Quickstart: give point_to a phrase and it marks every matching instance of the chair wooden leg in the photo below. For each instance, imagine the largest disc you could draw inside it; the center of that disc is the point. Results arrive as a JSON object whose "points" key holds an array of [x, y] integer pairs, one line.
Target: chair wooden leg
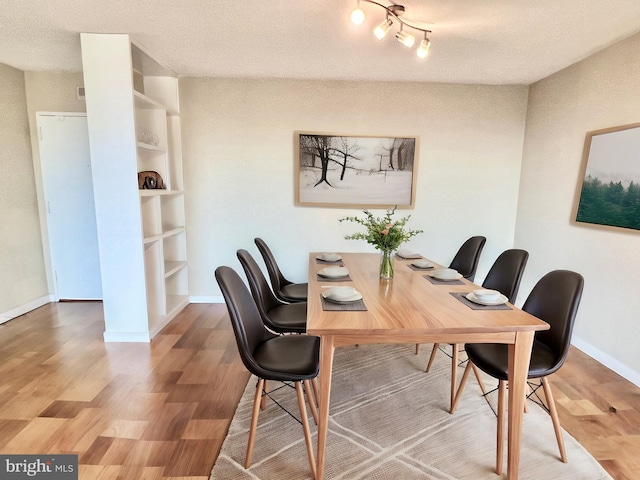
{"points": [[463, 382], [500, 428], [478, 378], [305, 428], [433, 355], [311, 400], [554, 417], [263, 402], [417, 348], [454, 373], [314, 384], [254, 422]]}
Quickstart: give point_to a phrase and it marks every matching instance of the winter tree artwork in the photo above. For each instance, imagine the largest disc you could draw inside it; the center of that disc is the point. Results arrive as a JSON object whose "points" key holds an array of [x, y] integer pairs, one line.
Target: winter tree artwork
{"points": [[610, 191], [355, 171]]}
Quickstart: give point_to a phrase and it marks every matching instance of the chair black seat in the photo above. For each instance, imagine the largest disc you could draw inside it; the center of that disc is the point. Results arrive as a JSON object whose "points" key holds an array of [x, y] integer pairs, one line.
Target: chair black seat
{"points": [[493, 359], [288, 358], [290, 317], [295, 291]]}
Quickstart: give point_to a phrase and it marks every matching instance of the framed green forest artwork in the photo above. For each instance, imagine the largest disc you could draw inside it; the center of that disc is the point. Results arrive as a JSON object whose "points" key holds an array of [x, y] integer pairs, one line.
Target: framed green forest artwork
{"points": [[610, 191]]}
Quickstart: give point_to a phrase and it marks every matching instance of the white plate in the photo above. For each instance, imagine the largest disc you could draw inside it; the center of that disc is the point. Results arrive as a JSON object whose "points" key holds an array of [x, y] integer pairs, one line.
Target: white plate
{"points": [[425, 265], [438, 275], [334, 272], [340, 292], [355, 298], [329, 257], [471, 297]]}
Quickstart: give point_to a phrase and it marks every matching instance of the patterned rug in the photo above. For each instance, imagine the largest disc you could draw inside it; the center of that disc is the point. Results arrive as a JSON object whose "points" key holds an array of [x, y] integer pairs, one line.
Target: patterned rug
{"points": [[389, 420]]}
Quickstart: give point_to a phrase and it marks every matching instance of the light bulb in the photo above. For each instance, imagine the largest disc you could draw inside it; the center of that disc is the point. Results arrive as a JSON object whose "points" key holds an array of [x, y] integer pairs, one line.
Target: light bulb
{"points": [[357, 16], [423, 49], [381, 30], [405, 38]]}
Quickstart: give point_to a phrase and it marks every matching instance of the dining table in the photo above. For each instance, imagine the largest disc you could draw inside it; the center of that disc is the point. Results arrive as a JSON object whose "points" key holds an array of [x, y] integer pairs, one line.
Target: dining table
{"points": [[411, 308]]}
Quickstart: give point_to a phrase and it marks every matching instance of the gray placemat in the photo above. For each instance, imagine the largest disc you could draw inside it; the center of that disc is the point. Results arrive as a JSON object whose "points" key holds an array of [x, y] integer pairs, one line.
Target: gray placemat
{"points": [[435, 281], [338, 279], [418, 269], [475, 306], [347, 307]]}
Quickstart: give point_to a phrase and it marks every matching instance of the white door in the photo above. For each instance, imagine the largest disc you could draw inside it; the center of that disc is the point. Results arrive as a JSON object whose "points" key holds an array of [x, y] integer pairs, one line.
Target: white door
{"points": [[71, 218]]}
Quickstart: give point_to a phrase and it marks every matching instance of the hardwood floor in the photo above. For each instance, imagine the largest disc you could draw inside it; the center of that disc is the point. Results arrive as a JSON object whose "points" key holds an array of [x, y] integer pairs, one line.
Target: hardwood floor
{"points": [[161, 410]]}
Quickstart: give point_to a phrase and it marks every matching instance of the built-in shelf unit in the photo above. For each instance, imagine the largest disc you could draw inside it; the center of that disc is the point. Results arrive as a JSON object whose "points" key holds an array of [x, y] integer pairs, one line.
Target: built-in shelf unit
{"points": [[133, 113]]}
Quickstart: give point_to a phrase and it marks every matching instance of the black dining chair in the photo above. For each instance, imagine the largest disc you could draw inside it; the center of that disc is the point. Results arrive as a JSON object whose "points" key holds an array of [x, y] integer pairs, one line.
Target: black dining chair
{"points": [[284, 290], [279, 316], [282, 358], [555, 300], [465, 261], [504, 276]]}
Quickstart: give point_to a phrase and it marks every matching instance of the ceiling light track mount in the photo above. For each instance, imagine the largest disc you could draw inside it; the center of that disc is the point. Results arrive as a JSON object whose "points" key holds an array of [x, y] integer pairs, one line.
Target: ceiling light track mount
{"points": [[394, 12]]}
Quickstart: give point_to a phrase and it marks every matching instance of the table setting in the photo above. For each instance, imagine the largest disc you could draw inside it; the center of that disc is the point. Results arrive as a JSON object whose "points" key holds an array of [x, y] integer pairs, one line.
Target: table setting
{"points": [[341, 298], [483, 299]]}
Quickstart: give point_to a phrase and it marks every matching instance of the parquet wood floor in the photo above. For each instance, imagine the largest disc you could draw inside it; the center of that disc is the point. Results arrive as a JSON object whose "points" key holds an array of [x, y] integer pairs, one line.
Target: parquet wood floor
{"points": [[160, 411]]}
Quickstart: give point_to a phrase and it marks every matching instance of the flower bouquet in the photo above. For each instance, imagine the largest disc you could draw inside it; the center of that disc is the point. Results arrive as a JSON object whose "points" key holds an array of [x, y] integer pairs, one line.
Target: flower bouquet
{"points": [[384, 234]]}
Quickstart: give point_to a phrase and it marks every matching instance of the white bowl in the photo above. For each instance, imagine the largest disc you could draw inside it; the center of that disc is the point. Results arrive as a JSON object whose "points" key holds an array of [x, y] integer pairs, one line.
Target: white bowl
{"points": [[334, 272], [487, 295], [422, 264], [446, 274], [341, 292], [330, 257]]}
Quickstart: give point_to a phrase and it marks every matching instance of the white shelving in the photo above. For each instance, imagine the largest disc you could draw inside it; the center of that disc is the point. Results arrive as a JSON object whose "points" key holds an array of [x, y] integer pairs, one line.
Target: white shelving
{"points": [[133, 112], [157, 119]]}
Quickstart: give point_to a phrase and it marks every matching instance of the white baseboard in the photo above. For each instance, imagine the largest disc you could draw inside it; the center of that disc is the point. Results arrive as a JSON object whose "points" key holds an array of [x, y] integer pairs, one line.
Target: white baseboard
{"points": [[210, 299], [25, 308], [608, 361]]}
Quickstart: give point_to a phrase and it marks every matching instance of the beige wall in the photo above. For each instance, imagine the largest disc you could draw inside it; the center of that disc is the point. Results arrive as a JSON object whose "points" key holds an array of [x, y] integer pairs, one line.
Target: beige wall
{"points": [[22, 277], [238, 149], [598, 92]]}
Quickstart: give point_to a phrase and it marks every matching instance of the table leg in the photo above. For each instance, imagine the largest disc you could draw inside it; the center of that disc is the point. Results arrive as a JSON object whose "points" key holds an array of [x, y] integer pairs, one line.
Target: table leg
{"points": [[519, 358], [326, 365], [454, 373]]}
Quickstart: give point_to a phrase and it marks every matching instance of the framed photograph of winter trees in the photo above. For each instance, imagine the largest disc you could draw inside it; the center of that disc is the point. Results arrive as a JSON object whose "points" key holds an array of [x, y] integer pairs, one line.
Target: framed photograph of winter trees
{"points": [[335, 170], [609, 194]]}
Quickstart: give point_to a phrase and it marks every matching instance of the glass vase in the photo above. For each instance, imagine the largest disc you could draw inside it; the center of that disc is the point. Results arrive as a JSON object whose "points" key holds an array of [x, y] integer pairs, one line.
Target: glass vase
{"points": [[386, 264]]}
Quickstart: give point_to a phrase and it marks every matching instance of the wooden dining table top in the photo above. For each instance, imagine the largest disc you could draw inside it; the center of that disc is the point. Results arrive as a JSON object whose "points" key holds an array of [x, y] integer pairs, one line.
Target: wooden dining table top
{"points": [[411, 309], [407, 305]]}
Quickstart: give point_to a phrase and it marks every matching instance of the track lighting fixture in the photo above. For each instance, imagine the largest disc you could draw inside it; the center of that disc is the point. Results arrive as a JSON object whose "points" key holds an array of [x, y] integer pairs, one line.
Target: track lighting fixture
{"points": [[395, 12], [405, 38], [357, 16], [423, 49], [381, 30]]}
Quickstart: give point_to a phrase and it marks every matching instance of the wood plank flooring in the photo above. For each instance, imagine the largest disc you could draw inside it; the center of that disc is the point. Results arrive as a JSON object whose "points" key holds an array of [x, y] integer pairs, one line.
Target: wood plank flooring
{"points": [[160, 411]]}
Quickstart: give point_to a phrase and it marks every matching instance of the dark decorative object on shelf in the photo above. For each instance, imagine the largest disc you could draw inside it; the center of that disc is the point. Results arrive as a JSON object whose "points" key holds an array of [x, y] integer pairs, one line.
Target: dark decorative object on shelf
{"points": [[150, 180]]}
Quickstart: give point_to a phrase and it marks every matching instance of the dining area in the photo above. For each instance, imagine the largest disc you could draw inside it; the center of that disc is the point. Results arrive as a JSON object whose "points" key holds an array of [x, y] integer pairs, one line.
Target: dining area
{"points": [[358, 302]]}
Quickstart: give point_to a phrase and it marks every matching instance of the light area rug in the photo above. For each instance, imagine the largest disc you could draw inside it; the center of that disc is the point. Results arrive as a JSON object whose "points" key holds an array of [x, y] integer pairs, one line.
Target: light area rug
{"points": [[389, 420]]}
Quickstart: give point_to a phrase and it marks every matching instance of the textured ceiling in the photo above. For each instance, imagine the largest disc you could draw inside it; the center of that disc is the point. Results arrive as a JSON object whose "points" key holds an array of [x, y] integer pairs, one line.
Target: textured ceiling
{"points": [[487, 42]]}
